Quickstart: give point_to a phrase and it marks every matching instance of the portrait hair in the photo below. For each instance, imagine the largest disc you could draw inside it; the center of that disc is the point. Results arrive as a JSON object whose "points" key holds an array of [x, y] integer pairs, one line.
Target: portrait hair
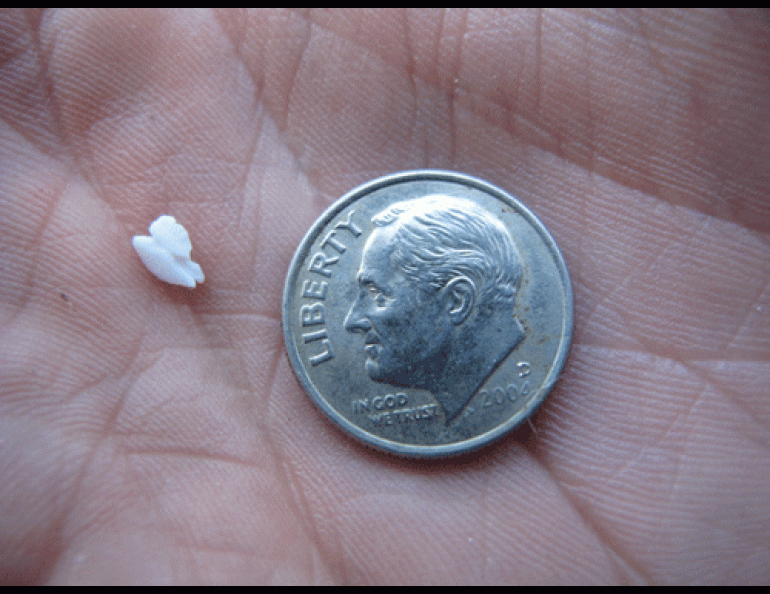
{"points": [[438, 238]]}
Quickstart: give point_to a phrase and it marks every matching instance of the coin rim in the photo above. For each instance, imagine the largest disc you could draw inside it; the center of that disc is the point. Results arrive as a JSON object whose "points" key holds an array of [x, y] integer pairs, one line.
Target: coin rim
{"points": [[441, 450]]}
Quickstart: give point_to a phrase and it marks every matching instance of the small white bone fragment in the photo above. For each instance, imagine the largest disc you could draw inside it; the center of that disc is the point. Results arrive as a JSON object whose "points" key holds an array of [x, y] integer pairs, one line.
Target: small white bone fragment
{"points": [[166, 253]]}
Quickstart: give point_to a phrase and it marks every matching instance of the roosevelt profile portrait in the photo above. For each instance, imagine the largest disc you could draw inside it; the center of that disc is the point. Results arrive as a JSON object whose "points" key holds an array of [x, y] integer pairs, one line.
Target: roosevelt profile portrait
{"points": [[437, 287]]}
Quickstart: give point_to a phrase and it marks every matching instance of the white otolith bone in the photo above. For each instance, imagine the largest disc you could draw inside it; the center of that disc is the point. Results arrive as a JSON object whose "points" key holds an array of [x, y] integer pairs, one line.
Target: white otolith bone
{"points": [[166, 253]]}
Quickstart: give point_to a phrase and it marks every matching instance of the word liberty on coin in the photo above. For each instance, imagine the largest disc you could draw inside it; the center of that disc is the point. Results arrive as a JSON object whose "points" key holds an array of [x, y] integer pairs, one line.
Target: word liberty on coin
{"points": [[427, 313]]}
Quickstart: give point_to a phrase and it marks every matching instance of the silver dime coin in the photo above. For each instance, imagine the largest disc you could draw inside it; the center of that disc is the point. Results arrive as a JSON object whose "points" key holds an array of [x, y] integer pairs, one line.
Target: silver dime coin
{"points": [[427, 313]]}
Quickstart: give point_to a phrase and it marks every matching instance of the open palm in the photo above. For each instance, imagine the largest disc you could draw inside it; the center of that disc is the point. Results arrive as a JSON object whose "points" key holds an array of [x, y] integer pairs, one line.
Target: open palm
{"points": [[155, 434]]}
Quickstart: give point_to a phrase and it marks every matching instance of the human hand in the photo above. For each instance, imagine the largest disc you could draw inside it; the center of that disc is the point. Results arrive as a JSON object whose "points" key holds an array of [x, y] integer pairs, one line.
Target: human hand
{"points": [[152, 434]]}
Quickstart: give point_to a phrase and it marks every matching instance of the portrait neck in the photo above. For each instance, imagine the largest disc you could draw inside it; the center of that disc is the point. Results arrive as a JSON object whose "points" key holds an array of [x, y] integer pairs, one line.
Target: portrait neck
{"points": [[478, 349]]}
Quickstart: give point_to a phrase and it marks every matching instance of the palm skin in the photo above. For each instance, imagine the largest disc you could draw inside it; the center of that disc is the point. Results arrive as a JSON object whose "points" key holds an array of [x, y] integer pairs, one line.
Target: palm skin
{"points": [[151, 434]]}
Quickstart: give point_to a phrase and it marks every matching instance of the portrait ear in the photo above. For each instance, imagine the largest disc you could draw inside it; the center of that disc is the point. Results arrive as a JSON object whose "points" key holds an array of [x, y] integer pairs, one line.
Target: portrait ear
{"points": [[461, 294]]}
